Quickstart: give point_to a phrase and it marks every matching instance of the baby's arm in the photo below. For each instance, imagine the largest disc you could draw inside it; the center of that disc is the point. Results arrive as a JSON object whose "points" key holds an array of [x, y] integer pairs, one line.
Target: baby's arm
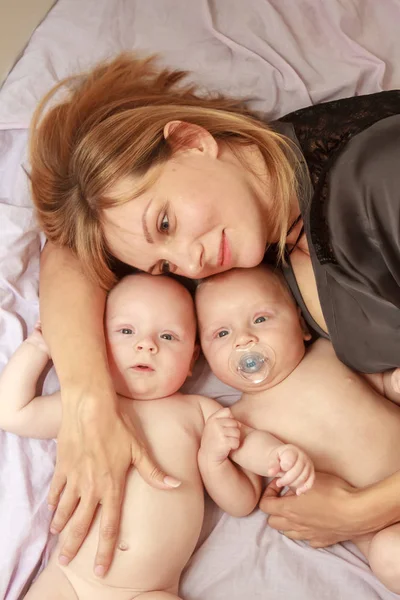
{"points": [[262, 453], [236, 491], [20, 411], [257, 453]]}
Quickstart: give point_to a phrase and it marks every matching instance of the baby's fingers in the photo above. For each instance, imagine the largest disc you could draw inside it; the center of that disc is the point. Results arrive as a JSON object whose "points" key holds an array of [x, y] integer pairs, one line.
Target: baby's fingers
{"points": [[231, 423], [222, 413], [233, 442], [273, 467], [288, 457], [232, 432], [291, 475]]}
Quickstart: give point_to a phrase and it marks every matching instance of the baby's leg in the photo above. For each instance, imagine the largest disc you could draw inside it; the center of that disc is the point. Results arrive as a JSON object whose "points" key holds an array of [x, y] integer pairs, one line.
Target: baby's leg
{"points": [[383, 553], [51, 584]]}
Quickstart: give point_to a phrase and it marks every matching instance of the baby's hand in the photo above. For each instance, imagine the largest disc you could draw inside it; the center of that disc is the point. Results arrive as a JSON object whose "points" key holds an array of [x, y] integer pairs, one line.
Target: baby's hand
{"points": [[36, 339], [293, 467], [395, 381], [221, 435]]}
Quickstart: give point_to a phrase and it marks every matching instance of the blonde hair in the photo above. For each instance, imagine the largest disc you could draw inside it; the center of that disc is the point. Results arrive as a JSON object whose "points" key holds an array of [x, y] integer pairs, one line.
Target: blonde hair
{"points": [[110, 126]]}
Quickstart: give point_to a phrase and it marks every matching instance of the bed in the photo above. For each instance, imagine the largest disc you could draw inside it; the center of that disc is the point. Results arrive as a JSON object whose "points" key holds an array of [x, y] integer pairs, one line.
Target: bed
{"points": [[278, 54]]}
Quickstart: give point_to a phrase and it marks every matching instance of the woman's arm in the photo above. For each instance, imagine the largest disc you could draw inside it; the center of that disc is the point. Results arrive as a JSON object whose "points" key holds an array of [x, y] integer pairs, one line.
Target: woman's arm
{"points": [[333, 511], [96, 445]]}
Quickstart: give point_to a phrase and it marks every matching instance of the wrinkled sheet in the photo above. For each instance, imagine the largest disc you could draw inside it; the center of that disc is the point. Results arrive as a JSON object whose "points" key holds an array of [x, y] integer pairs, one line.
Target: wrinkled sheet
{"points": [[280, 55]]}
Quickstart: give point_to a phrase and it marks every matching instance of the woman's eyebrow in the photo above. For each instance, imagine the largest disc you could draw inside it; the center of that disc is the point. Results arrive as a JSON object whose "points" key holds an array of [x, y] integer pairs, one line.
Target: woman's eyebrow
{"points": [[146, 231]]}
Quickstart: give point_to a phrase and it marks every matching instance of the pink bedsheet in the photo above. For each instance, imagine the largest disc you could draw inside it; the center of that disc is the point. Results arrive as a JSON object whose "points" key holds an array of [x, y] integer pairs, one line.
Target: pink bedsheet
{"points": [[282, 55]]}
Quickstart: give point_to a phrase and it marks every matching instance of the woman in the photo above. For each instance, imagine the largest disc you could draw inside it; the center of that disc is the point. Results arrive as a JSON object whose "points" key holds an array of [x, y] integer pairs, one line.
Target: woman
{"points": [[135, 168]]}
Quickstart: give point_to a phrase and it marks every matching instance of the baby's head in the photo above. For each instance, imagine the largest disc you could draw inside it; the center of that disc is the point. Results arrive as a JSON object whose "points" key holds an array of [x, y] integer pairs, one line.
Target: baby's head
{"points": [[151, 335], [251, 330]]}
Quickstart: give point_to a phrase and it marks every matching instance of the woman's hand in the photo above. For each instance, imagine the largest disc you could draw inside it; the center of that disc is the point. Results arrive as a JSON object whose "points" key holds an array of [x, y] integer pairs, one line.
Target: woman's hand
{"points": [[332, 511], [96, 447]]}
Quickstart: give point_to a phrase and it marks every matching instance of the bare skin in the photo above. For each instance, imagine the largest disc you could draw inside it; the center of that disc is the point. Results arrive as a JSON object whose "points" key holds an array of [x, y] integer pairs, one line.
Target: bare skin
{"points": [[209, 210], [150, 331], [309, 398]]}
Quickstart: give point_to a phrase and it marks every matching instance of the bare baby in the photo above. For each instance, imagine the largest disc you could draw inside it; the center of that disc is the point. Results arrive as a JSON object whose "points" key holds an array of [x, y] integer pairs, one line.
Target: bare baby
{"points": [[252, 335], [151, 341]]}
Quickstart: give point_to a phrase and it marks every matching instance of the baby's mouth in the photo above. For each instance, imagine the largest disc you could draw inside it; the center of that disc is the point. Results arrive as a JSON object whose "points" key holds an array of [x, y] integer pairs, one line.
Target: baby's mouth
{"points": [[142, 368]]}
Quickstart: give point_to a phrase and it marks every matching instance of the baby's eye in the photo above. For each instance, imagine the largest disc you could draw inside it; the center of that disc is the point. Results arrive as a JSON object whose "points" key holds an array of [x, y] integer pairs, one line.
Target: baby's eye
{"points": [[222, 333], [165, 267], [261, 319], [126, 331], [167, 336]]}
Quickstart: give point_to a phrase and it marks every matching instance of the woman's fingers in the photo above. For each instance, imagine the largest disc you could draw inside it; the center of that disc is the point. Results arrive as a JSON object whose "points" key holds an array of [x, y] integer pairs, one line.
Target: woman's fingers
{"points": [[57, 486], [305, 481], [151, 473], [65, 508], [109, 528], [78, 528]]}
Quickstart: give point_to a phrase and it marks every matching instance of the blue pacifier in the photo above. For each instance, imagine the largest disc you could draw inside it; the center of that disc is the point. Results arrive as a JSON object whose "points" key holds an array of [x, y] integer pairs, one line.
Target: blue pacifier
{"points": [[253, 363]]}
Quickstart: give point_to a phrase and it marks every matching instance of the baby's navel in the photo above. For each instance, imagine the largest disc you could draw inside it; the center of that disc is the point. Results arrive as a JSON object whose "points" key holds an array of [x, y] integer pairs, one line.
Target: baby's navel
{"points": [[123, 546]]}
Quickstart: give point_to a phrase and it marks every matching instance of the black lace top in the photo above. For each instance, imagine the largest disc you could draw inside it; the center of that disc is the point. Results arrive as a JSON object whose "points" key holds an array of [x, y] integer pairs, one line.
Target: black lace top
{"points": [[352, 222]]}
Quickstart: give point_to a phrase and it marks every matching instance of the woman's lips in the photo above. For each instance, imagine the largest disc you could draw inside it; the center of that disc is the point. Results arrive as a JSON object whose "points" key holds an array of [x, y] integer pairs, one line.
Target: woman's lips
{"points": [[225, 255]]}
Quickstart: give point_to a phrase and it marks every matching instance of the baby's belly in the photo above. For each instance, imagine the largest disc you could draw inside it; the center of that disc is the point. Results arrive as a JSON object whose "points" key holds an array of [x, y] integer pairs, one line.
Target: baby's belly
{"points": [[159, 531]]}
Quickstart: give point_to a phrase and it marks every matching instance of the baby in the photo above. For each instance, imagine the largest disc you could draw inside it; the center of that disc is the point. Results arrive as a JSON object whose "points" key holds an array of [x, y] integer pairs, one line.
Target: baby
{"points": [[151, 332], [252, 335]]}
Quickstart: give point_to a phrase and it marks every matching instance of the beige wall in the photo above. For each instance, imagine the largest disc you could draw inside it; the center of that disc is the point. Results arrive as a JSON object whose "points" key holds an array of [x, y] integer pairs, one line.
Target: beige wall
{"points": [[18, 20]]}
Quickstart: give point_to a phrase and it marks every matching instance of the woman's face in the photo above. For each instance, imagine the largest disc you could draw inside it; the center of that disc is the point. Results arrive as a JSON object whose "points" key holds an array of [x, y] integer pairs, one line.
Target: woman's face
{"points": [[205, 213]]}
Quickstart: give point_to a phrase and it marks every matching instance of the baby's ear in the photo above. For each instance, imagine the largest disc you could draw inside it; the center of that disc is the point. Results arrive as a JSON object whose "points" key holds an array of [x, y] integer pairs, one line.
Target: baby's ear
{"points": [[306, 333], [196, 354]]}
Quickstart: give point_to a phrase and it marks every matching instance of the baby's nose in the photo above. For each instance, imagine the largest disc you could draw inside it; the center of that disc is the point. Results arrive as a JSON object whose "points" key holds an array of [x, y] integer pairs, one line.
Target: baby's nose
{"points": [[245, 339], [146, 345]]}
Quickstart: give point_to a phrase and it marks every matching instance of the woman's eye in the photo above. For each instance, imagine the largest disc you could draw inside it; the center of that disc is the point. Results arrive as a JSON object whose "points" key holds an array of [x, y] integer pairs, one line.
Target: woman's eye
{"points": [[164, 225], [222, 333], [261, 319], [167, 336], [126, 331]]}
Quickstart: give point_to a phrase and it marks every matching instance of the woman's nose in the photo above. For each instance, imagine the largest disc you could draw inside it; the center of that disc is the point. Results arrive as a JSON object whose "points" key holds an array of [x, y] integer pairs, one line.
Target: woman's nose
{"points": [[245, 339], [146, 345], [191, 260]]}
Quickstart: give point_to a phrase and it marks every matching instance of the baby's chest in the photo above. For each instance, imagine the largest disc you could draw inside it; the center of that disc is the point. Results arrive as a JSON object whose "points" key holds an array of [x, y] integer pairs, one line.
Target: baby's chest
{"points": [[170, 432]]}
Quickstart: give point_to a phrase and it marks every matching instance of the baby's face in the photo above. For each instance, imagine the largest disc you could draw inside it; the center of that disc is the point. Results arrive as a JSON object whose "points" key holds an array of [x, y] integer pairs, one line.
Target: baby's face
{"points": [[243, 308], [150, 331]]}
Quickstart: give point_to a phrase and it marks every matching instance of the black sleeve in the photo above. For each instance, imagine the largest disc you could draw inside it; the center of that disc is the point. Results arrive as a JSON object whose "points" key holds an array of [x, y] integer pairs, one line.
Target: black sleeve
{"points": [[364, 209]]}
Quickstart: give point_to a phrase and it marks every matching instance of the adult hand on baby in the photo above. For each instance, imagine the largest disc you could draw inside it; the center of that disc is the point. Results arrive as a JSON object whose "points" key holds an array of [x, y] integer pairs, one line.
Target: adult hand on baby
{"points": [[221, 435], [324, 516], [96, 447], [292, 466]]}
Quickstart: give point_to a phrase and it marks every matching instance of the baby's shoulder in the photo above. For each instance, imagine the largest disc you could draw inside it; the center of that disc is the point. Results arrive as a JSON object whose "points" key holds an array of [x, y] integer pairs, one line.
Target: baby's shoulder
{"points": [[321, 359], [321, 349]]}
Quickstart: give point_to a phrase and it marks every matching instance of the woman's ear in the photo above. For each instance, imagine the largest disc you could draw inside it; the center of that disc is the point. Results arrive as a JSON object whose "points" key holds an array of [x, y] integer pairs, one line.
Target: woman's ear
{"points": [[196, 354], [183, 136]]}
